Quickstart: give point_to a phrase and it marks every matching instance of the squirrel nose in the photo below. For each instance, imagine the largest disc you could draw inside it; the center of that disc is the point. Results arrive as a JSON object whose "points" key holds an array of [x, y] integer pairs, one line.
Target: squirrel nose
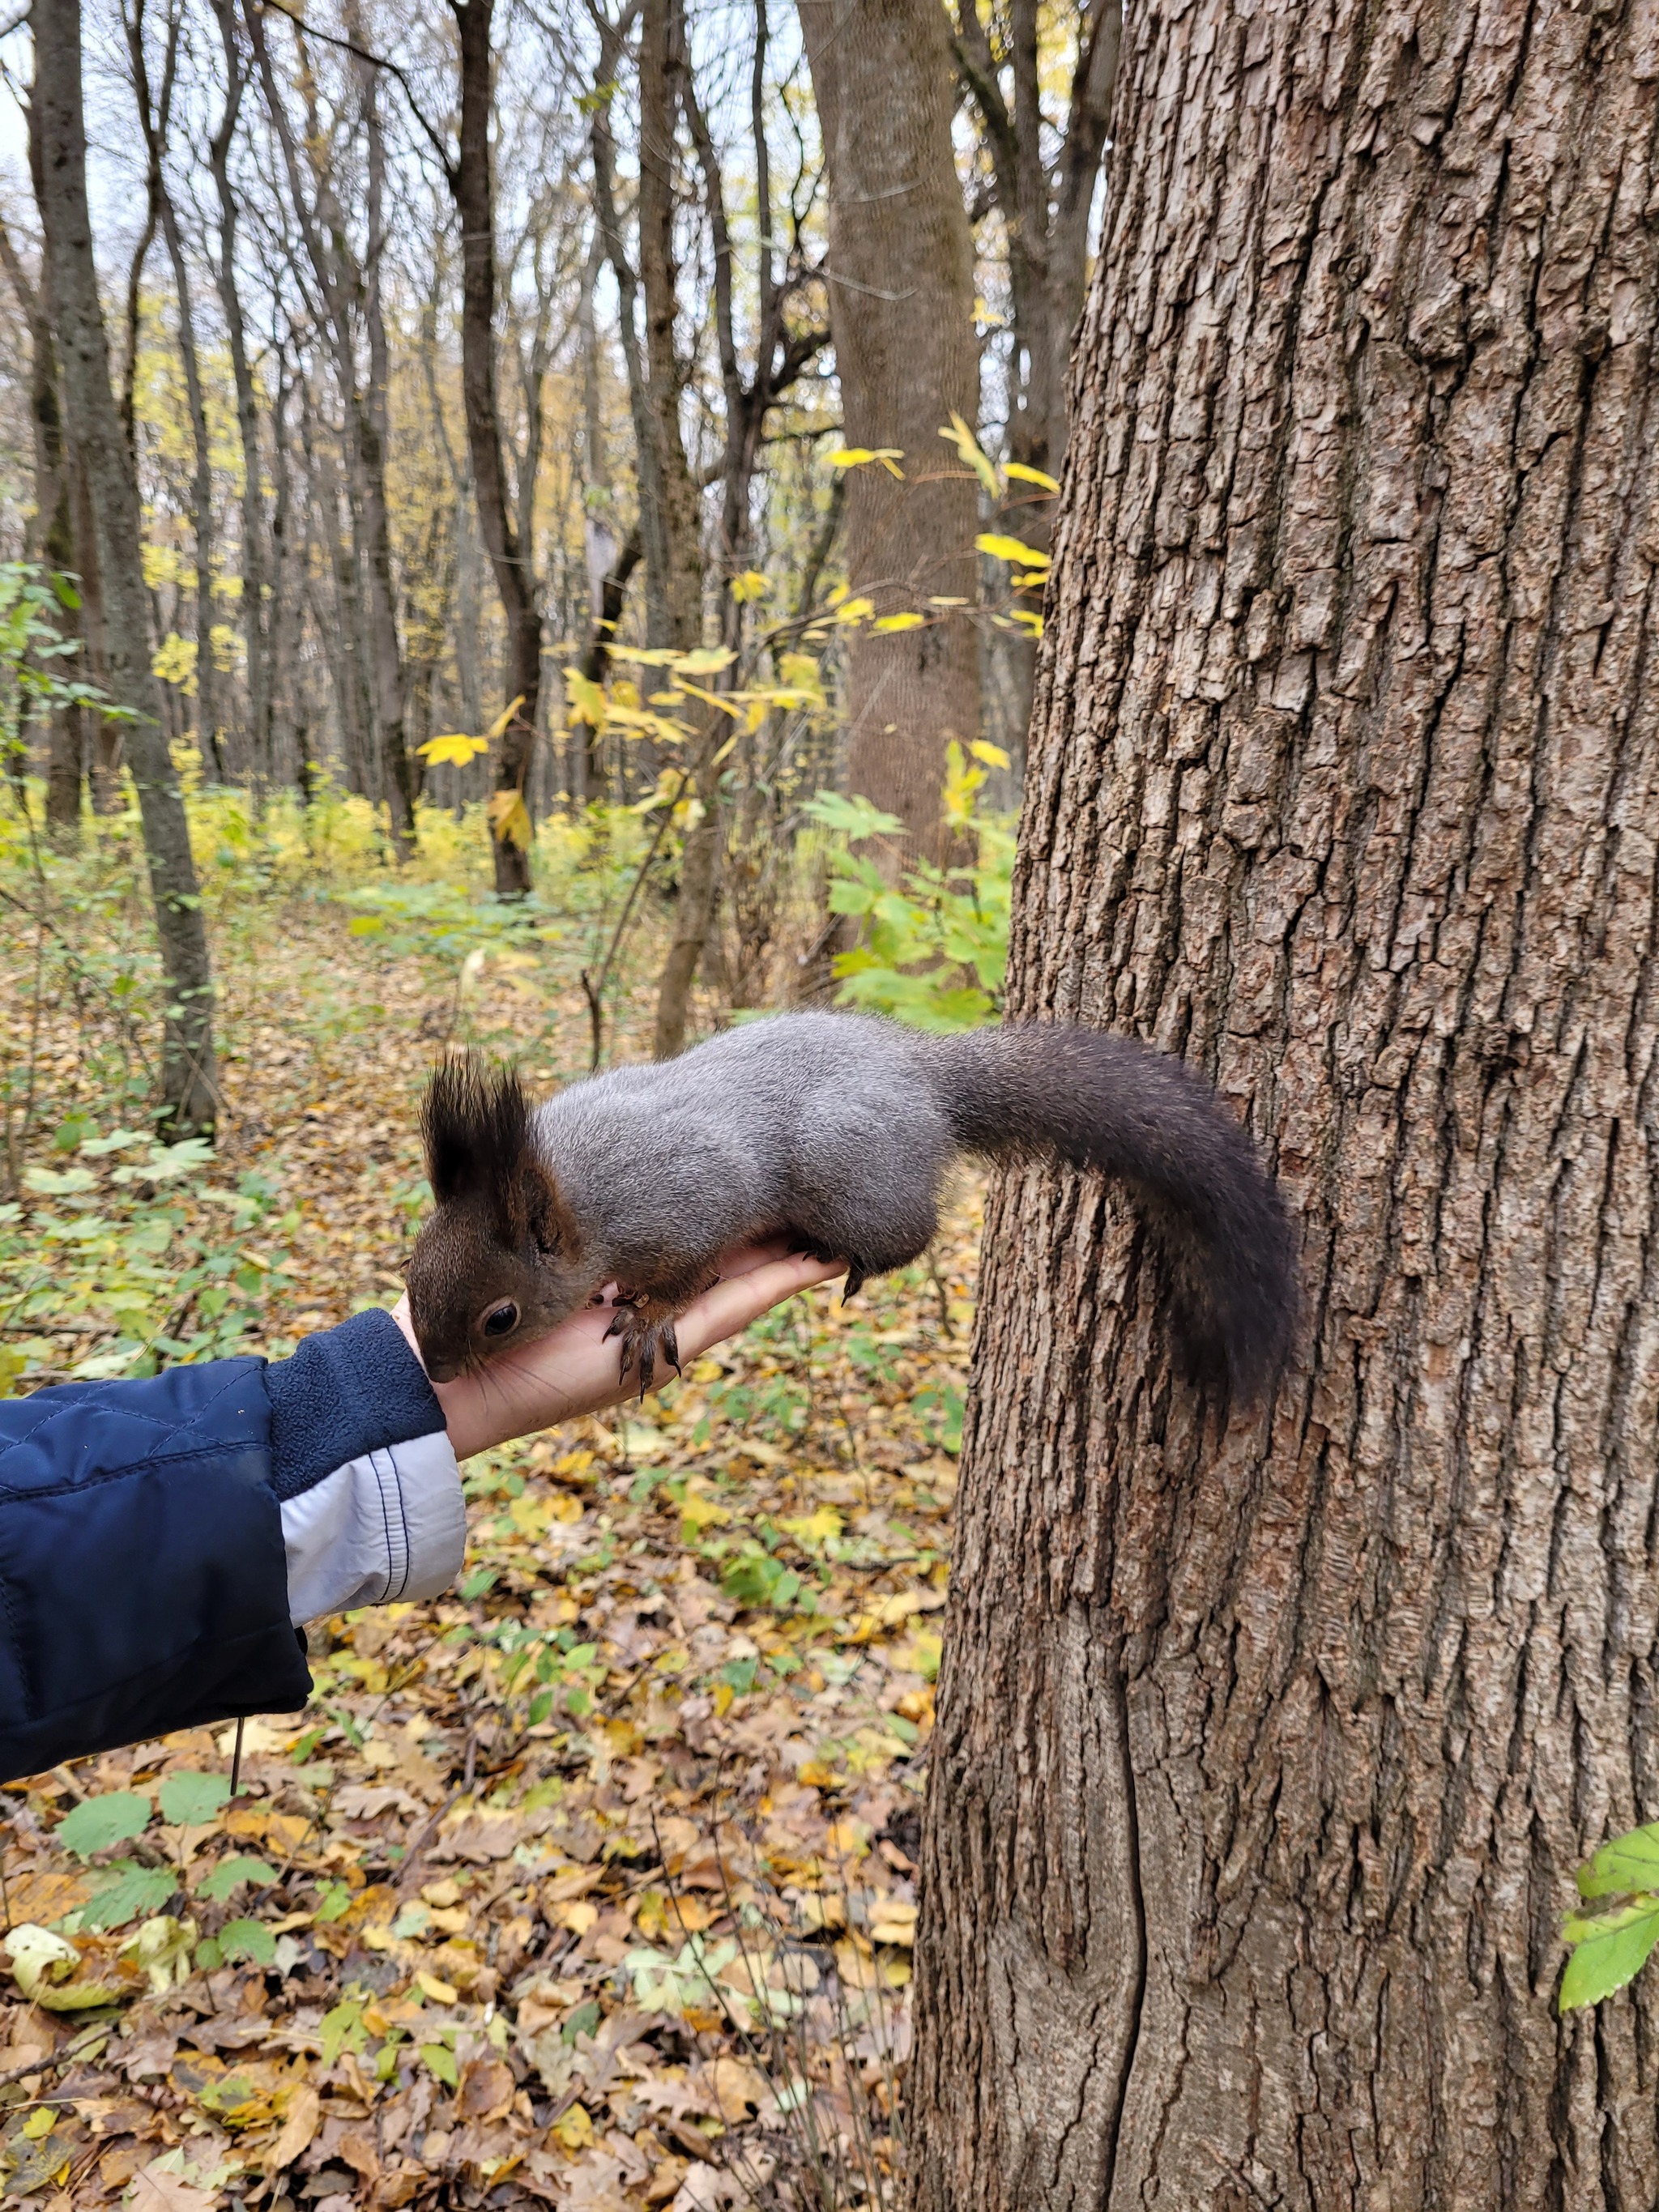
{"points": [[442, 1370]]}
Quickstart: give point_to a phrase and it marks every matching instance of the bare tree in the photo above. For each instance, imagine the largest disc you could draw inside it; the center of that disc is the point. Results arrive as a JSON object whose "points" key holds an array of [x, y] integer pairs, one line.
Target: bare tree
{"points": [[259, 612], [509, 541], [188, 1070], [348, 292]]}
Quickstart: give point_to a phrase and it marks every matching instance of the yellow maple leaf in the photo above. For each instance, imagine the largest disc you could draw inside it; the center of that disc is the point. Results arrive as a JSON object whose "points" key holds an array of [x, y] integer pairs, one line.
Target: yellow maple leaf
{"points": [[454, 745], [509, 819]]}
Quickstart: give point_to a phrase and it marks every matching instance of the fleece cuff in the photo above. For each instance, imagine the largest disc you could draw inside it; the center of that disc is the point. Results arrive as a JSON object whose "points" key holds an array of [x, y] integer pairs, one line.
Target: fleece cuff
{"points": [[347, 1392], [389, 1526]]}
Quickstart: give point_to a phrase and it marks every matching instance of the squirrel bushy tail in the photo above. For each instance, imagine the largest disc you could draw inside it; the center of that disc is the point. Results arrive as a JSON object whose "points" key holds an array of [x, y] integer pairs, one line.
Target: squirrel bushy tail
{"points": [[1051, 1090]]}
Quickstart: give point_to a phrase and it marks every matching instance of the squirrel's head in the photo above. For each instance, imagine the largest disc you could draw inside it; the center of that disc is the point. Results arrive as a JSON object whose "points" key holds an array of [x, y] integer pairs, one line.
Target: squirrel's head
{"points": [[500, 1261]]}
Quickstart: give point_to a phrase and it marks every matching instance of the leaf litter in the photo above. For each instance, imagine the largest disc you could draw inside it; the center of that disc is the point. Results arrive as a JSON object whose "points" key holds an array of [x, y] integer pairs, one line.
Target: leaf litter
{"points": [[591, 1884]]}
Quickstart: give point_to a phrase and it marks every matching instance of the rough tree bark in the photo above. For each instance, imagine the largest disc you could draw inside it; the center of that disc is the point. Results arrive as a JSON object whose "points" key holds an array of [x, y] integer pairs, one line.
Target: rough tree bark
{"points": [[472, 182], [188, 1072], [900, 268], [1264, 1757]]}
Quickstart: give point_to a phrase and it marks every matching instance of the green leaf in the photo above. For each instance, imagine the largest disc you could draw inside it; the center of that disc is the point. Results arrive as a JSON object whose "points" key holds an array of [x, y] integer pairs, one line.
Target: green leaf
{"points": [[1610, 1949], [248, 1939], [440, 2064], [342, 2028], [334, 1904], [230, 1874], [97, 1822], [189, 1800], [1630, 1862], [47, 1184], [136, 1893]]}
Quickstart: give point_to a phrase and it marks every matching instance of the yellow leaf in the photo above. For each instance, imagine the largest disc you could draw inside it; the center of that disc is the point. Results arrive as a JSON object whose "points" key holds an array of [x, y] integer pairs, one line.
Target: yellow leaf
{"points": [[587, 699], [886, 624], [856, 457], [1003, 548], [499, 724], [455, 746], [575, 2130], [967, 444], [430, 1986], [752, 585], [509, 818], [855, 610], [577, 1914], [815, 1528], [993, 756], [706, 660], [1031, 476], [39, 2124], [892, 1922]]}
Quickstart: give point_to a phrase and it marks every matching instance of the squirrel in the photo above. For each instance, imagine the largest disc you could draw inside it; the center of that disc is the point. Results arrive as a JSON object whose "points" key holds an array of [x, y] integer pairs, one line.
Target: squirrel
{"points": [[835, 1130]]}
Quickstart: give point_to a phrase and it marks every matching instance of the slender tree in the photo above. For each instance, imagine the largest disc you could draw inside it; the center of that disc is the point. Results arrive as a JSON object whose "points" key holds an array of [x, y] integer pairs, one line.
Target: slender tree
{"points": [[188, 1070], [471, 181], [259, 612], [153, 123], [1265, 1751]]}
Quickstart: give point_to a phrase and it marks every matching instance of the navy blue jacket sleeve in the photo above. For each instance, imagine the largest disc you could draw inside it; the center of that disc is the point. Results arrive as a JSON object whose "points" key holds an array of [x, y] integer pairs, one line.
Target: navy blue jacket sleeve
{"points": [[143, 1582]]}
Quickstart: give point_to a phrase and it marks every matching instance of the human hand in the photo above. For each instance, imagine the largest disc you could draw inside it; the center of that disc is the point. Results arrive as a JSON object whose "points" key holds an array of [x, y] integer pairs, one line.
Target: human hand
{"points": [[575, 1371]]}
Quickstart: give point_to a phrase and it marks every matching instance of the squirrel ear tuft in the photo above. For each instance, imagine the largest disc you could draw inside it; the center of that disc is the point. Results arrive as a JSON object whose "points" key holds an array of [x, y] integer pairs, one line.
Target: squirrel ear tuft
{"points": [[475, 1124]]}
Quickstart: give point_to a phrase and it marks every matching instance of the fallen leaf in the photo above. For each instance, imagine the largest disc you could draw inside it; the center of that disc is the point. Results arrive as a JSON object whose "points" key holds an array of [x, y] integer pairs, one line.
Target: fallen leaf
{"points": [[298, 2129], [155, 2190]]}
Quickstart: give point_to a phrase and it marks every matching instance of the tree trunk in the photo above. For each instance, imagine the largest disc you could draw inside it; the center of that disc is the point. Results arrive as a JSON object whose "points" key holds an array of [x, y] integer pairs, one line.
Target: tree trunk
{"points": [[901, 271], [49, 536], [259, 611], [473, 186], [678, 623], [189, 1075], [1264, 1757]]}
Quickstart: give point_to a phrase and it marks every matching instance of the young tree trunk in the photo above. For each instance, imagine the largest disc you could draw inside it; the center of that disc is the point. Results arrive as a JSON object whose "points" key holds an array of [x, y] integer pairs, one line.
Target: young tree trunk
{"points": [[259, 612], [678, 621], [1264, 1756], [189, 1075], [473, 186], [902, 309]]}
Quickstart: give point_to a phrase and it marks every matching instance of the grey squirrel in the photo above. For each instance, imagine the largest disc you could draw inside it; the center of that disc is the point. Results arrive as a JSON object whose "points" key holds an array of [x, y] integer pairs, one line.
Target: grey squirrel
{"points": [[835, 1130]]}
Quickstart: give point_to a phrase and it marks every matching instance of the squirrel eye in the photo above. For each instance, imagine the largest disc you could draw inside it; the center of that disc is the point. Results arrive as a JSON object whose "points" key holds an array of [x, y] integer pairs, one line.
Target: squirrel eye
{"points": [[502, 1319]]}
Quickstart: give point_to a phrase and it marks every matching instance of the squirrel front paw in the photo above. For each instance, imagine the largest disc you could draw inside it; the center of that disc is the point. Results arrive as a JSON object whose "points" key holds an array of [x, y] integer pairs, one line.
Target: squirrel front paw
{"points": [[647, 1335]]}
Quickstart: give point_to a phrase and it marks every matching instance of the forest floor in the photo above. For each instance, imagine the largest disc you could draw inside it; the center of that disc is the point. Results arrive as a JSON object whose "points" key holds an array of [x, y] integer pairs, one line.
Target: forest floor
{"points": [[589, 1885]]}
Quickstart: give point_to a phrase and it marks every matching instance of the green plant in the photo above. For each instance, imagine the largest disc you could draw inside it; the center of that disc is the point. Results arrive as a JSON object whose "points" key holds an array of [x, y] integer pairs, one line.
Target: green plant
{"points": [[1610, 1945], [932, 949]]}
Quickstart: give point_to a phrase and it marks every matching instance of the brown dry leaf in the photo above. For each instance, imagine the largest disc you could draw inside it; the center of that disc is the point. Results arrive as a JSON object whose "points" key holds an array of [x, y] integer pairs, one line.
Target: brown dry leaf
{"points": [[154, 2191], [487, 2089], [301, 2124]]}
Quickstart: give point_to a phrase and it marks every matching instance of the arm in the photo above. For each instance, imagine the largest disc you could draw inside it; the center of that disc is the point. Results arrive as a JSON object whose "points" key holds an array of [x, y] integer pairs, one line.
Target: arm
{"points": [[162, 1541]]}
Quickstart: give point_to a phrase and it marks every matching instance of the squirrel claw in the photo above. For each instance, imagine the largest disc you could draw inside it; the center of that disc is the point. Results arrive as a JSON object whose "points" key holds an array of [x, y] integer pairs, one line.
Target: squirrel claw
{"points": [[853, 1284]]}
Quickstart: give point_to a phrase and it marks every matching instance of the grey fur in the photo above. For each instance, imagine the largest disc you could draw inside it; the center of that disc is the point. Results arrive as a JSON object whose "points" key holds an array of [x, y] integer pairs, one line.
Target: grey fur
{"points": [[838, 1129]]}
